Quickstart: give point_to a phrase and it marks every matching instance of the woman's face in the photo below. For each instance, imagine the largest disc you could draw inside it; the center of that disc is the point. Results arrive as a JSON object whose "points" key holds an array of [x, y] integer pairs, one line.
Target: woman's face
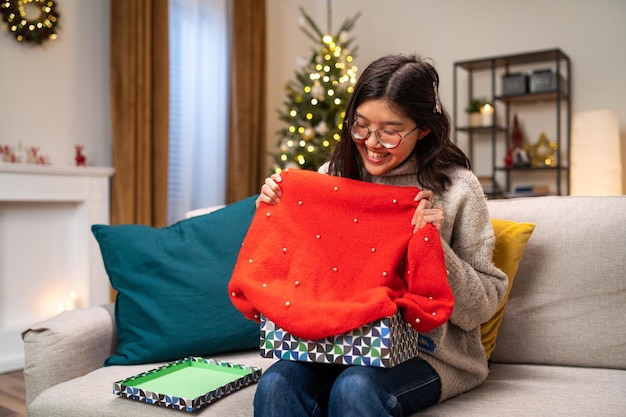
{"points": [[376, 114]]}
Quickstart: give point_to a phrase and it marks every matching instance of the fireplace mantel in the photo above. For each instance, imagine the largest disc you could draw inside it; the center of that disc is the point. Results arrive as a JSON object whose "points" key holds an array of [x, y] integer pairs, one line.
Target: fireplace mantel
{"points": [[46, 245]]}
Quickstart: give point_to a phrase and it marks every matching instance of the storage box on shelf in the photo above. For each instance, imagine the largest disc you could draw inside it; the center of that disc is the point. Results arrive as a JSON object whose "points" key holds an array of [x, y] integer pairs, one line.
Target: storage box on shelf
{"points": [[516, 84]]}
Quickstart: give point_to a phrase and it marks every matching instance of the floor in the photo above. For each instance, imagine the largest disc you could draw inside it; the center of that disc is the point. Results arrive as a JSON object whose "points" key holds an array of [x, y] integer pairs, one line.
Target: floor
{"points": [[12, 395]]}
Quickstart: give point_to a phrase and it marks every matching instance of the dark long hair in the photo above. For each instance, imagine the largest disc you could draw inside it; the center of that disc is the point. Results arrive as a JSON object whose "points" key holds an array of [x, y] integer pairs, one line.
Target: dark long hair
{"points": [[405, 82]]}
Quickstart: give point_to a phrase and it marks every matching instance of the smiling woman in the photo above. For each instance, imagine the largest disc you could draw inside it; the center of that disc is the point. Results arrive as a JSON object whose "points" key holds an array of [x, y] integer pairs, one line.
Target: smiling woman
{"points": [[31, 20]]}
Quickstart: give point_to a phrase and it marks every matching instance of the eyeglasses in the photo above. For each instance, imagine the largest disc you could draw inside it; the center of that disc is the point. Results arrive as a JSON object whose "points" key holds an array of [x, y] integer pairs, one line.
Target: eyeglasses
{"points": [[386, 137]]}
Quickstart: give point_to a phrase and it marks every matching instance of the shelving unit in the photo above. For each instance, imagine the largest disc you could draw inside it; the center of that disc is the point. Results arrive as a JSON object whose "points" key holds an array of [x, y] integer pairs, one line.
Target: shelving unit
{"points": [[483, 78]]}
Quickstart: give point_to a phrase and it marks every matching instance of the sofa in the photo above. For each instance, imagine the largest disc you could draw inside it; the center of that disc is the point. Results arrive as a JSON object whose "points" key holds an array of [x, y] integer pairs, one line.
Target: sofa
{"points": [[560, 348]]}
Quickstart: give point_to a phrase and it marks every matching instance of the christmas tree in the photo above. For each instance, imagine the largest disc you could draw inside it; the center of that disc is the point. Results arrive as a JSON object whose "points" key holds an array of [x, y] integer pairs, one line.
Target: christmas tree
{"points": [[316, 99]]}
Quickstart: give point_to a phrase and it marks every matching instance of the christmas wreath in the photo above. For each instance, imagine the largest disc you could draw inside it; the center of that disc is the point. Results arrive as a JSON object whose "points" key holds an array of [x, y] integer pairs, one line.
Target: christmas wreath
{"points": [[30, 20]]}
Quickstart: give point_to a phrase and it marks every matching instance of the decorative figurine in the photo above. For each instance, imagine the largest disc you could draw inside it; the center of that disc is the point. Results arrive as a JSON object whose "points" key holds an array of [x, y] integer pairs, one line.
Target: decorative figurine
{"points": [[80, 158], [508, 159], [521, 158], [33, 154], [544, 152]]}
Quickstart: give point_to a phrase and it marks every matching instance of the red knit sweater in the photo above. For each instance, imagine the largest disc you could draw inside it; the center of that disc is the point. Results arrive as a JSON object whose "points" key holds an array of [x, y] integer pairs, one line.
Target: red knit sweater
{"points": [[336, 254]]}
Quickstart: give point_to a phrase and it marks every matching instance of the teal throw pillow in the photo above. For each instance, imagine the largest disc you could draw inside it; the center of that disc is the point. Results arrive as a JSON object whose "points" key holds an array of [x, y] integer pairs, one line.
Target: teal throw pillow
{"points": [[172, 299]]}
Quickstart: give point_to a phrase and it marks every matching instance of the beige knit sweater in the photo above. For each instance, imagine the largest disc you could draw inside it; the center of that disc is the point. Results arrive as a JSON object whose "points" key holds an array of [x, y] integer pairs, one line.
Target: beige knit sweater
{"points": [[454, 349]]}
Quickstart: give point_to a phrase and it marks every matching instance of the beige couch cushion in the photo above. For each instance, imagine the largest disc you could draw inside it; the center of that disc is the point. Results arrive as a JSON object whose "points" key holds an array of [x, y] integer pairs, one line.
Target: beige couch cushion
{"points": [[94, 391], [567, 306], [510, 390], [542, 391]]}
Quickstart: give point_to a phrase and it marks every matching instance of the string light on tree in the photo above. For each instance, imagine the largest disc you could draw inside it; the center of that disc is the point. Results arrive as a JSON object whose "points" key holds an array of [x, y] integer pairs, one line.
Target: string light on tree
{"points": [[314, 109]]}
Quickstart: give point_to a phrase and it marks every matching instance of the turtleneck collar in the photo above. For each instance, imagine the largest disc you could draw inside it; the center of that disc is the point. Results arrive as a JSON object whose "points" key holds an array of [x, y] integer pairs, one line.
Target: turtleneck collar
{"points": [[404, 174]]}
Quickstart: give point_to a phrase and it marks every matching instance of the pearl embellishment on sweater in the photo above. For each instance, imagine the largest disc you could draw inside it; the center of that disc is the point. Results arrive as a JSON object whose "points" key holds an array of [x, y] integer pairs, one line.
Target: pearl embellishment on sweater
{"points": [[365, 226]]}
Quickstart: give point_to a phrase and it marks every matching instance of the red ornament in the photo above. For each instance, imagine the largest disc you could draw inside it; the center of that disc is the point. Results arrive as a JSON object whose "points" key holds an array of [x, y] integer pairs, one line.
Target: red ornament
{"points": [[80, 158]]}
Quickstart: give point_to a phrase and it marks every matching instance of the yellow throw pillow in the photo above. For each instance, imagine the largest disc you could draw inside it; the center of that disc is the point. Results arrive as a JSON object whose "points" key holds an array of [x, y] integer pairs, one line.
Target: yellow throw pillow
{"points": [[511, 239]]}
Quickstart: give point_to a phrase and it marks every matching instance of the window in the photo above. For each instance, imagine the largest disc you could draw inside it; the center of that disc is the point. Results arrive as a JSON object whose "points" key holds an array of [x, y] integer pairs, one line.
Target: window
{"points": [[198, 105]]}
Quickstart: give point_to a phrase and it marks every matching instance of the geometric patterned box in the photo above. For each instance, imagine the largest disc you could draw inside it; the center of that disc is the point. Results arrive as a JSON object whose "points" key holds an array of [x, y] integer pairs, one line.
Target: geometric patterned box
{"points": [[187, 384], [384, 343]]}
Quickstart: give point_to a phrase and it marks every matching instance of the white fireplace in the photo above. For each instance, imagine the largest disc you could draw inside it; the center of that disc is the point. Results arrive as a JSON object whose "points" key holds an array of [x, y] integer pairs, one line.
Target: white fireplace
{"points": [[47, 250]]}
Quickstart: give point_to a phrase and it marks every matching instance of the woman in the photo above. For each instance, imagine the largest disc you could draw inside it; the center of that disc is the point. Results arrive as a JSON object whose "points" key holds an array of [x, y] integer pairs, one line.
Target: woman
{"points": [[397, 133]]}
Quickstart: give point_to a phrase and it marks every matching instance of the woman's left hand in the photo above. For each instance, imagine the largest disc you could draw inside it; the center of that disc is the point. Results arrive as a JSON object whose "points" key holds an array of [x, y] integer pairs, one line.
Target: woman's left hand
{"points": [[427, 211]]}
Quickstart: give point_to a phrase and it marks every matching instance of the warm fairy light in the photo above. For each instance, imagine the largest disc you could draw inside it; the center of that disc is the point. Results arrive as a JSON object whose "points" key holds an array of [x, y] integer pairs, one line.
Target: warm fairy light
{"points": [[330, 76]]}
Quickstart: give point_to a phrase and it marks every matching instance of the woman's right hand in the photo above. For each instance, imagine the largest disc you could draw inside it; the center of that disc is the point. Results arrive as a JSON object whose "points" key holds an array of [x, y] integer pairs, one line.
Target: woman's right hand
{"points": [[270, 191]]}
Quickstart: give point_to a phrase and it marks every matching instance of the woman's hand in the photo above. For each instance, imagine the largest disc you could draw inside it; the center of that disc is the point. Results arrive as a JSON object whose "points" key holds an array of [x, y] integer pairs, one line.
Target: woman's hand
{"points": [[270, 191], [427, 211]]}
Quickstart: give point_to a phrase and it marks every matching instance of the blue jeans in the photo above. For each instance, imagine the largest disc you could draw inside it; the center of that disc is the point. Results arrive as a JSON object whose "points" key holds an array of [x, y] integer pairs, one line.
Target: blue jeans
{"points": [[299, 389]]}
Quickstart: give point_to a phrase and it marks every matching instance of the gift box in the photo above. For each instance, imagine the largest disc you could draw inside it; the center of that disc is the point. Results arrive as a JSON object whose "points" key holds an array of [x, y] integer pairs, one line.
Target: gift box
{"points": [[187, 384], [384, 343]]}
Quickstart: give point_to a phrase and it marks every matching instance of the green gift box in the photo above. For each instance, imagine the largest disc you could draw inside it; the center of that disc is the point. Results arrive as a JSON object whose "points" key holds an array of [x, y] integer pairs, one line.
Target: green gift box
{"points": [[385, 343], [187, 384]]}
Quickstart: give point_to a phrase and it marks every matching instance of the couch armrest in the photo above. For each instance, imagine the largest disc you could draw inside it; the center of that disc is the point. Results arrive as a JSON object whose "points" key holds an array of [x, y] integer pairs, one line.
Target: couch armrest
{"points": [[68, 345]]}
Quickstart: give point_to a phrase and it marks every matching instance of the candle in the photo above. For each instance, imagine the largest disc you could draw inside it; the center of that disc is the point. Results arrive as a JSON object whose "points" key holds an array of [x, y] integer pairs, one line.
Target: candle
{"points": [[69, 304], [486, 112], [72, 302]]}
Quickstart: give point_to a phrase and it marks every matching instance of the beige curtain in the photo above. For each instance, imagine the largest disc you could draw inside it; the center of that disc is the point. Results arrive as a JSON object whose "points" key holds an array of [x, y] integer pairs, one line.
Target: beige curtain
{"points": [[139, 111], [246, 142]]}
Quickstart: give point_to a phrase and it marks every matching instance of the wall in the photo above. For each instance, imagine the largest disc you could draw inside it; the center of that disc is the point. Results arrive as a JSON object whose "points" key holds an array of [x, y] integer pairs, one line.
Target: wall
{"points": [[53, 96], [56, 95], [591, 33]]}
